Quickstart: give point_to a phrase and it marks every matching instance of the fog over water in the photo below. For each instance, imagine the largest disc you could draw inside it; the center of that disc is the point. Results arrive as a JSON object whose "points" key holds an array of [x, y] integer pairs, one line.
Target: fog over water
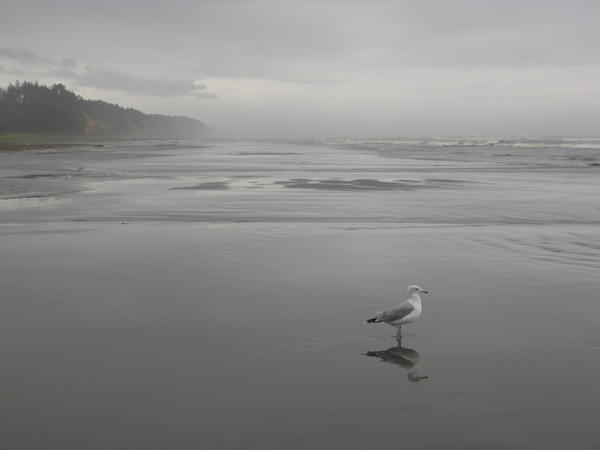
{"points": [[266, 68], [187, 294]]}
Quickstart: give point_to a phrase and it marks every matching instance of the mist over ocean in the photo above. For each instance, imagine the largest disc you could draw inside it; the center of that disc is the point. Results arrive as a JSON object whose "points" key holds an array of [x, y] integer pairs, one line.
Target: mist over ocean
{"points": [[210, 294]]}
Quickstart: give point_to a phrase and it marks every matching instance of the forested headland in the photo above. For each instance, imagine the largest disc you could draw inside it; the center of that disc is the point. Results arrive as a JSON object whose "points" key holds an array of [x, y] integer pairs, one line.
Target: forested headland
{"points": [[31, 108]]}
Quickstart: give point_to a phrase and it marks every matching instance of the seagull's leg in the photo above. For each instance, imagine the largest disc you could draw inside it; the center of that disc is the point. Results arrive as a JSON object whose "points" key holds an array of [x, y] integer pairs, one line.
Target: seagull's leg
{"points": [[399, 334]]}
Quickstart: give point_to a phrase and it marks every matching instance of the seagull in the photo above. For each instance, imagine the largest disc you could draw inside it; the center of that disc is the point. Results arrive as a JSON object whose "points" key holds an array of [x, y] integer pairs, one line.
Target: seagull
{"points": [[407, 312]]}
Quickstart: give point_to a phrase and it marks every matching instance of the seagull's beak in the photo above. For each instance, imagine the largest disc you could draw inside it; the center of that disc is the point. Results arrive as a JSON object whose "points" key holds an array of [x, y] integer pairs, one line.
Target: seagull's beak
{"points": [[424, 291]]}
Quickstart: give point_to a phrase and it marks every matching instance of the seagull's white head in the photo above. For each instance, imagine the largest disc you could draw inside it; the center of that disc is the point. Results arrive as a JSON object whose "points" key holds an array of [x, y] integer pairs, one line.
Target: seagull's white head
{"points": [[414, 289]]}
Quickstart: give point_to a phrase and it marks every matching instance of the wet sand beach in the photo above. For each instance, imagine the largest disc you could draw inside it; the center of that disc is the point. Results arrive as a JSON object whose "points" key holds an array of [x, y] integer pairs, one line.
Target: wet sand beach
{"points": [[212, 295]]}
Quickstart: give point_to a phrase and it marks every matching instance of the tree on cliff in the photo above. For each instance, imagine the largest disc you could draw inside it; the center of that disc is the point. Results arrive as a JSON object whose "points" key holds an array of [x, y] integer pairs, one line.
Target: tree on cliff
{"points": [[32, 108]]}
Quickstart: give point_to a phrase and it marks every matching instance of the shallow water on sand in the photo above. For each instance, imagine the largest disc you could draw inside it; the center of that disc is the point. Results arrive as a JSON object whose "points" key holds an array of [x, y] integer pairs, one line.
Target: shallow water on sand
{"points": [[186, 295]]}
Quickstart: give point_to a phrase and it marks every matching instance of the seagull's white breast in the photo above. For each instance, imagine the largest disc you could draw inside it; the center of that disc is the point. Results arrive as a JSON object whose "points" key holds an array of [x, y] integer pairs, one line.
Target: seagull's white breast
{"points": [[414, 315]]}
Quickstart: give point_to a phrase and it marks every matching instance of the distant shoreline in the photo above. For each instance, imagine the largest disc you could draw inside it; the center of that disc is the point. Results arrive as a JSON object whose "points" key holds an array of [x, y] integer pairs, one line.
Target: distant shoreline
{"points": [[41, 141], [42, 146], [32, 141]]}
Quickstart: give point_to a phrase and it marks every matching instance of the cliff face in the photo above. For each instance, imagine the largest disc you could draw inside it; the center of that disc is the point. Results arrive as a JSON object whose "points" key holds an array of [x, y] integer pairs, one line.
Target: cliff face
{"points": [[31, 108]]}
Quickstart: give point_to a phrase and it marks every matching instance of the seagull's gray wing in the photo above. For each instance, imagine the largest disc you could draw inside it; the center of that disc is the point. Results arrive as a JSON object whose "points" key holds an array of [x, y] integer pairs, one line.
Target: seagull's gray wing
{"points": [[397, 313]]}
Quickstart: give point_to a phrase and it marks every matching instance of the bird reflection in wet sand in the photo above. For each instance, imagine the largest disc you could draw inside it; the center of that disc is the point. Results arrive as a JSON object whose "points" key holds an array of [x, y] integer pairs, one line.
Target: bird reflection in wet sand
{"points": [[405, 357]]}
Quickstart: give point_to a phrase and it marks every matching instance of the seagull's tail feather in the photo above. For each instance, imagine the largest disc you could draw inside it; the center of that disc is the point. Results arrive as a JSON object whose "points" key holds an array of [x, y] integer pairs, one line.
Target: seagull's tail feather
{"points": [[378, 318]]}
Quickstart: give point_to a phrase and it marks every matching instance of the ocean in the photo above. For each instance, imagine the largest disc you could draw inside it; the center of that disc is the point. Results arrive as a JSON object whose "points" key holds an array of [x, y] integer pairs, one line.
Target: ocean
{"points": [[211, 294]]}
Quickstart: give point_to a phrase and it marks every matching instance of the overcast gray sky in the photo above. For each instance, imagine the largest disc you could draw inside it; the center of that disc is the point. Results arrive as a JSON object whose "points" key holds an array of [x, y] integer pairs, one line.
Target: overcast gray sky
{"points": [[327, 68]]}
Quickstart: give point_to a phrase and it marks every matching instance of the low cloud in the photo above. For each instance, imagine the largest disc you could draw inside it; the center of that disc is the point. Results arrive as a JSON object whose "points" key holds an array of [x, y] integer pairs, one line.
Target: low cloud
{"points": [[23, 55], [64, 73], [206, 96], [11, 71], [118, 81], [68, 62], [96, 77]]}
